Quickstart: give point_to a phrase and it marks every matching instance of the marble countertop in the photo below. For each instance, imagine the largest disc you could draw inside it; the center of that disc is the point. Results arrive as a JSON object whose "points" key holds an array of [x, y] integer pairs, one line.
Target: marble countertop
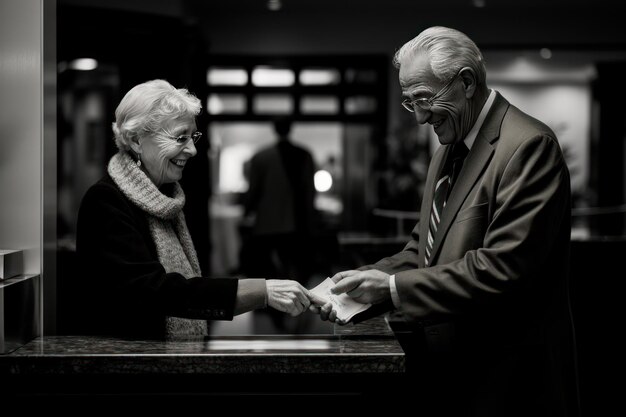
{"points": [[368, 347]]}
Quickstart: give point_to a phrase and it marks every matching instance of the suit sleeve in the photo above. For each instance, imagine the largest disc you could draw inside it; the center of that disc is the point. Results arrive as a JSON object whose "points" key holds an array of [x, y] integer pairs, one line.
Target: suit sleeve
{"points": [[401, 261], [532, 199], [117, 260]]}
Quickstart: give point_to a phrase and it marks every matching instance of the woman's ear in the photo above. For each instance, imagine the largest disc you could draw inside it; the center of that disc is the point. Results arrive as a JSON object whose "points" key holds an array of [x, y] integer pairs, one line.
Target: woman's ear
{"points": [[135, 144], [469, 82]]}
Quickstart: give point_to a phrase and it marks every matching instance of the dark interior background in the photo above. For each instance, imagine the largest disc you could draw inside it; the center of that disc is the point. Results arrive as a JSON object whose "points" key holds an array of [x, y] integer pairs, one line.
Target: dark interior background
{"points": [[135, 41]]}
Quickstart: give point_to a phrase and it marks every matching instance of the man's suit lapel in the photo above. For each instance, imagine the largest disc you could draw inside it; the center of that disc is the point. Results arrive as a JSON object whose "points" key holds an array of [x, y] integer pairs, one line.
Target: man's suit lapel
{"points": [[475, 163]]}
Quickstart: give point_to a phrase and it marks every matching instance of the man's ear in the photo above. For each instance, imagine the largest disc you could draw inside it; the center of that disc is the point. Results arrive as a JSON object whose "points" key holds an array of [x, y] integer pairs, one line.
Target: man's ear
{"points": [[469, 81], [135, 145]]}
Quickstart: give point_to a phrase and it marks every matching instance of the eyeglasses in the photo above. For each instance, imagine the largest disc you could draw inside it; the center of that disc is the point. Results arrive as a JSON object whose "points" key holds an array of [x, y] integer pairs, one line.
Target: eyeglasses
{"points": [[425, 104], [182, 139]]}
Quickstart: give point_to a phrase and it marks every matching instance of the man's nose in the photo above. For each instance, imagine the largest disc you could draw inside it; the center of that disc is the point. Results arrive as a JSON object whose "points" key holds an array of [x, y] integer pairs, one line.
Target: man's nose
{"points": [[422, 116]]}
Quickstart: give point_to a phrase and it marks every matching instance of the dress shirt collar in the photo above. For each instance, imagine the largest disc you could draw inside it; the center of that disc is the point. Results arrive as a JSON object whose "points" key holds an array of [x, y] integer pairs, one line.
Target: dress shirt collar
{"points": [[471, 136]]}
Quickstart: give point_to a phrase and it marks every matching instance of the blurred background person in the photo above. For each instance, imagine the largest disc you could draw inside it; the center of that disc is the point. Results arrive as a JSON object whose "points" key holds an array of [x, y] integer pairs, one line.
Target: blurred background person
{"points": [[279, 211], [279, 206], [144, 275]]}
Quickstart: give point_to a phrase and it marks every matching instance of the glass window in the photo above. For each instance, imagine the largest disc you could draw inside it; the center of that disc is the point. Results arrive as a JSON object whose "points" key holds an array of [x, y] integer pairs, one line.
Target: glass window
{"points": [[361, 76], [226, 104], [273, 104], [263, 76], [319, 105], [360, 104], [227, 76], [319, 76]]}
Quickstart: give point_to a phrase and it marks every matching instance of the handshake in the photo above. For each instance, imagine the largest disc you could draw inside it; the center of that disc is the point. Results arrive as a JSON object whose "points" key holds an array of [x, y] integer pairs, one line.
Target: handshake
{"points": [[336, 299]]}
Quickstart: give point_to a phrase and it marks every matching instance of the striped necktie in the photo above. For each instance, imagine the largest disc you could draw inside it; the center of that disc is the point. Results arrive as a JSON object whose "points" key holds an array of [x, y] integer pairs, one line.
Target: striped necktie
{"points": [[442, 190]]}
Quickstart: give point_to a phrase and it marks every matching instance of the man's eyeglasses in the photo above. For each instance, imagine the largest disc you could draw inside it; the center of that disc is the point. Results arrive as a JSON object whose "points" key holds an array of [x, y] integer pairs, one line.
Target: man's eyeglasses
{"points": [[182, 139], [425, 104]]}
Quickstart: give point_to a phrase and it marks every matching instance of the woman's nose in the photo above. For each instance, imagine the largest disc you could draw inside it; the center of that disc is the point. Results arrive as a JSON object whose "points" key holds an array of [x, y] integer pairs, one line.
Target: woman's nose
{"points": [[190, 148]]}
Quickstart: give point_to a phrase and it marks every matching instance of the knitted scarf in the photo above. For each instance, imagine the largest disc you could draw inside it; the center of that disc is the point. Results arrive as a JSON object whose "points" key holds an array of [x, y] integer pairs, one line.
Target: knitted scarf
{"points": [[167, 228]]}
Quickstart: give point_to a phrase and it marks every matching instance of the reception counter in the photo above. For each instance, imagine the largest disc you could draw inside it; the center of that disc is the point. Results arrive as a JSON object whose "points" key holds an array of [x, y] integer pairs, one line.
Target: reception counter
{"points": [[349, 363]]}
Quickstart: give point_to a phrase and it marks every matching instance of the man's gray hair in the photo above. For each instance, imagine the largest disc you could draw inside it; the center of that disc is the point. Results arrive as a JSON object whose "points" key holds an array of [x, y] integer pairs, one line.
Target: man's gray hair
{"points": [[147, 106], [448, 51]]}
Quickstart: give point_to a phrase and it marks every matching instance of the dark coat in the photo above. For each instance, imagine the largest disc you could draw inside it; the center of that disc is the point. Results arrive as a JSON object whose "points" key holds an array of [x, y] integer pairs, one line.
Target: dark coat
{"points": [[281, 192], [126, 289]]}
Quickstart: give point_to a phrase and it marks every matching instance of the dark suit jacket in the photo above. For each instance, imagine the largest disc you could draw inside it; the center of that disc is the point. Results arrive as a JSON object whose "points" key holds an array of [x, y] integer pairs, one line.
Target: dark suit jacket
{"points": [[497, 284], [126, 289], [281, 191]]}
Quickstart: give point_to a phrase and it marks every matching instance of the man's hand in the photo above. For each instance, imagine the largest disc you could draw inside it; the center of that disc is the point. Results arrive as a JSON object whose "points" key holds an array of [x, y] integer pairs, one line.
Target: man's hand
{"points": [[366, 287]]}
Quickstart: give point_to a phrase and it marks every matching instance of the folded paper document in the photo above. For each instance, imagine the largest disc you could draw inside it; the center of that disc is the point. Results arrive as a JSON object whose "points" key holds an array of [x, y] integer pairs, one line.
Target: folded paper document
{"points": [[345, 306]]}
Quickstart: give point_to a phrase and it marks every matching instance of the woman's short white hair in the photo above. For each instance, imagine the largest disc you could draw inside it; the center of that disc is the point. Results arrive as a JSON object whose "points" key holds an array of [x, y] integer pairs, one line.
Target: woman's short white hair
{"points": [[448, 51], [147, 106]]}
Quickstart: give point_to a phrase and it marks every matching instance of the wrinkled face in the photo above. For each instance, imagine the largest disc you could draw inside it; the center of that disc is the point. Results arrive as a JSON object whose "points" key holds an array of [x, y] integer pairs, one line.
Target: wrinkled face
{"points": [[450, 114], [162, 157]]}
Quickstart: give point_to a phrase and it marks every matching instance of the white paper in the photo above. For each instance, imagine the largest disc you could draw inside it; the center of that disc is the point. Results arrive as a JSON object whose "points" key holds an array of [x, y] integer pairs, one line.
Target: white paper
{"points": [[345, 306]]}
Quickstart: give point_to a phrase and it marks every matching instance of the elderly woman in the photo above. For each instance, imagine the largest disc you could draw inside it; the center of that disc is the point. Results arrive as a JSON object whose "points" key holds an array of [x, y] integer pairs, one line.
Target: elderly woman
{"points": [[144, 277]]}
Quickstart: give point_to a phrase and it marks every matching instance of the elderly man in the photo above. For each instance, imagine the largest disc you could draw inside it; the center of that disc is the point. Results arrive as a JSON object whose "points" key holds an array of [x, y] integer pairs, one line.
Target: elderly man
{"points": [[483, 280]]}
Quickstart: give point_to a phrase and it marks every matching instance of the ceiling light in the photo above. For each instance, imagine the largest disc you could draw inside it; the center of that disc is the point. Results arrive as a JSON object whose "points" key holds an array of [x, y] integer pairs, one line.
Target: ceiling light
{"points": [[274, 5], [545, 53], [323, 181], [83, 64]]}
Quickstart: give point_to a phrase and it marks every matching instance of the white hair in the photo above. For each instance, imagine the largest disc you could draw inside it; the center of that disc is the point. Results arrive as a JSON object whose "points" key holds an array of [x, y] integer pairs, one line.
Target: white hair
{"points": [[147, 106], [448, 51]]}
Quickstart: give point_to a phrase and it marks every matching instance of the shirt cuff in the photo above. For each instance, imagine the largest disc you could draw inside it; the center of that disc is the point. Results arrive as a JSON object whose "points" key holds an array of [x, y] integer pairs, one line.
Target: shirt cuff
{"points": [[252, 293], [395, 298]]}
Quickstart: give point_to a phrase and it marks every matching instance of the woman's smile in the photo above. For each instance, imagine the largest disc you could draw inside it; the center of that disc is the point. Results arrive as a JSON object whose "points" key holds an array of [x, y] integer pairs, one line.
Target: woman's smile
{"points": [[179, 162]]}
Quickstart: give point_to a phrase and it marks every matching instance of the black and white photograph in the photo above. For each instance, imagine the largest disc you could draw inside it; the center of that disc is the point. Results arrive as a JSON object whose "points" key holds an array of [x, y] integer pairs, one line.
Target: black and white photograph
{"points": [[280, 206]]}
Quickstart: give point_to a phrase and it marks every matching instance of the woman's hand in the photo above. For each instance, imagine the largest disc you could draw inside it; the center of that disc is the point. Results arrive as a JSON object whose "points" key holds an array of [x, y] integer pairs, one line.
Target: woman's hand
{"points": [[327, 313], [289, 296]]}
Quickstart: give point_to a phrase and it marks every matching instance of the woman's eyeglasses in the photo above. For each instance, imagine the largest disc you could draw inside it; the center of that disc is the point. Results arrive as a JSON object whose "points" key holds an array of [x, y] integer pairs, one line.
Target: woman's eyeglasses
{"points": [[182, 139]]}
